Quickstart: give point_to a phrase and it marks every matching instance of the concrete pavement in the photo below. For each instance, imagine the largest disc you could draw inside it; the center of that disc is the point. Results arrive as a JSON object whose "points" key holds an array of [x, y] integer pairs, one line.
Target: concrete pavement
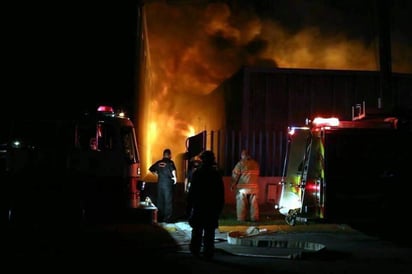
{"points": [[310, 248], [272, 247]]}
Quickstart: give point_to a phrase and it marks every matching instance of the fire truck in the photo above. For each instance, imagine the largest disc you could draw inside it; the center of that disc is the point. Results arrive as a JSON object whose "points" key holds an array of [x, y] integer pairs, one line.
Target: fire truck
{"points": [[346, 171], [85, 168]]}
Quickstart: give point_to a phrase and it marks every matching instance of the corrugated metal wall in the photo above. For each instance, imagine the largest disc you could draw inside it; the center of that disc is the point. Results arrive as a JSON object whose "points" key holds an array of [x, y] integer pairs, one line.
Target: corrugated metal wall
{"points": [[260, 103], [272, 98], [267, 147]]}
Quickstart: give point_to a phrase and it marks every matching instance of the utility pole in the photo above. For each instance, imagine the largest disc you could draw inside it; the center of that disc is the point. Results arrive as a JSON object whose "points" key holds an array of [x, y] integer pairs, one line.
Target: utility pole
{"points": [[385, 57]]}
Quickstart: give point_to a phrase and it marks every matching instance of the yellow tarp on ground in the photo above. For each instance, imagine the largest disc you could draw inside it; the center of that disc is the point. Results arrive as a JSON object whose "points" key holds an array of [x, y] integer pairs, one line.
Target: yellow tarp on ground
{"points": [[288, 228]]}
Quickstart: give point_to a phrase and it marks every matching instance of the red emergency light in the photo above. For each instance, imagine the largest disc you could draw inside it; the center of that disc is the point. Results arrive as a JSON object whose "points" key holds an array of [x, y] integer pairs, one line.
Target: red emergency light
{"points": [[105, 109], [325, 122], [312, 186]]}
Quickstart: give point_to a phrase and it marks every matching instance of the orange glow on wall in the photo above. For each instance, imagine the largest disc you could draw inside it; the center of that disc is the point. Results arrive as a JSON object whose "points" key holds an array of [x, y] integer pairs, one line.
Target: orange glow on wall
{"points": [[191, 49]]}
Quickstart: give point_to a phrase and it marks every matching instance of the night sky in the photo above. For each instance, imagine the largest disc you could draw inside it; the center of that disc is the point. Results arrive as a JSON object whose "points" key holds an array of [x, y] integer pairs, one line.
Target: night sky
{"points": [[75, 55], [68, 56]]}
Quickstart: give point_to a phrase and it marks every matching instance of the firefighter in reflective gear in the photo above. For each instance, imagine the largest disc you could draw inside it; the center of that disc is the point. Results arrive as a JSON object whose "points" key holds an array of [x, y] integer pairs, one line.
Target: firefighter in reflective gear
{"points": [[245, 181]]}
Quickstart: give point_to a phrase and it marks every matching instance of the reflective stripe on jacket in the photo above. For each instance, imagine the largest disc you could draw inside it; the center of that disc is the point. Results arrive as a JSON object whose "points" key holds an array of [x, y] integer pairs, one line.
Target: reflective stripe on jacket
{"points": [[245, 174]]}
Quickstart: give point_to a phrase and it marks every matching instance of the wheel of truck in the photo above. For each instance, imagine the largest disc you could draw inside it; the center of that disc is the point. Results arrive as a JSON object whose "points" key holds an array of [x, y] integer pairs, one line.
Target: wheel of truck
{"points": [[290, 219]]}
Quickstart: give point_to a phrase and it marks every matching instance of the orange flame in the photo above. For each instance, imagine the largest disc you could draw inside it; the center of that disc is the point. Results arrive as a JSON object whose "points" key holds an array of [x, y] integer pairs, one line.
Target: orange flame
{"points": [[191, 49]]}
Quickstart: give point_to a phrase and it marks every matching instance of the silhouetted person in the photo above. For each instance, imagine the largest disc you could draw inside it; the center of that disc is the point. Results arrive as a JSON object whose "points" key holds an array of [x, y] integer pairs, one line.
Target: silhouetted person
{"points": [[194, 163], [205, 202]]}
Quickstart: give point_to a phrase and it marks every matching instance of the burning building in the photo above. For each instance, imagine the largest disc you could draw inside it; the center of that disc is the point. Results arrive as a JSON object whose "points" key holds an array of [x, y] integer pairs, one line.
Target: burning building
{"points": [[219, 65]]}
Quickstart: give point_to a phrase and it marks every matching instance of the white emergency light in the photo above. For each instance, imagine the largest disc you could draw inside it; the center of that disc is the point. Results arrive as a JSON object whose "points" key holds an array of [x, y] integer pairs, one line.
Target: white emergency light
{"points": [[292, 130], [325, 122]]}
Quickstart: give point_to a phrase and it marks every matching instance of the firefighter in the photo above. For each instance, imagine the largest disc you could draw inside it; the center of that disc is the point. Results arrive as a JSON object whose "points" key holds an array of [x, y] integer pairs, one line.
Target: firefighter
{"points": [[194, 163], [165, 169], [205, 202], [245, 177]]}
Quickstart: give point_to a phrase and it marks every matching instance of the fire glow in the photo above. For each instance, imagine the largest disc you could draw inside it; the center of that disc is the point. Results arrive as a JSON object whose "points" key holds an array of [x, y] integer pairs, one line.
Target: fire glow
{"points": [[191, 49]]}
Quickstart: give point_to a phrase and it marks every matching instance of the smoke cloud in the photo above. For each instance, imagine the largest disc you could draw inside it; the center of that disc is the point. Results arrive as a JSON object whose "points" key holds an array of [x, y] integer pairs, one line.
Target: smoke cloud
{"points": [[194, 48]]}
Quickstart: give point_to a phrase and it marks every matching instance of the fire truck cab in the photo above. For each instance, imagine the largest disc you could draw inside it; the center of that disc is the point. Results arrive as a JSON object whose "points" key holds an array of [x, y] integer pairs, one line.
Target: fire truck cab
{"points": [[106, 158], [343, 170], [85, 168]]}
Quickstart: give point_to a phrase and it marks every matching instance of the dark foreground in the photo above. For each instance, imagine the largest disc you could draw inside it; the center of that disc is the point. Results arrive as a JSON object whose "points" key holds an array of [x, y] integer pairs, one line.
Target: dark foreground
{"points": [[159, 247]]}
